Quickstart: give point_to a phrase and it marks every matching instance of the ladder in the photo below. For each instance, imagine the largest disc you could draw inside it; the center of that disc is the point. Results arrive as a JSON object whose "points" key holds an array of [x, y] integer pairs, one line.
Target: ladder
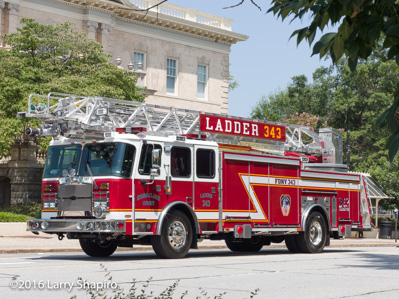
{"points": [[90, 117]]}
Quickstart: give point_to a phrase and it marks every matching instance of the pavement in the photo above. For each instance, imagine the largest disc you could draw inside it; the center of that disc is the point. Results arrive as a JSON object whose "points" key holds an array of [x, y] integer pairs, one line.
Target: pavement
{"points": [[49, 243]]}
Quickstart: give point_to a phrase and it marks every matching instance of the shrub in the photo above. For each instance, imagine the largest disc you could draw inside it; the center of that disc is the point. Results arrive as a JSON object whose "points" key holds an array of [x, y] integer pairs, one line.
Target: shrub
{"points": [[11, 217], [33, 209]]}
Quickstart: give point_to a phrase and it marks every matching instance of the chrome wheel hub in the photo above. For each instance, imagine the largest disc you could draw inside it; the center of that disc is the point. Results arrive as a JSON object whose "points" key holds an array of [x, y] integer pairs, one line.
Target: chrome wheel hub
{"points": [[315, 233], [177, 234]]}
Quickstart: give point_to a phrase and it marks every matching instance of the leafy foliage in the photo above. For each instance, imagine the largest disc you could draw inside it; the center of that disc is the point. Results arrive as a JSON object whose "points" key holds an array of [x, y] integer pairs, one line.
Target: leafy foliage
{"points": [[305, 119], [233, 84], [53, 58], [33, 209], [11, 217], [361, 24], [350, 101]]}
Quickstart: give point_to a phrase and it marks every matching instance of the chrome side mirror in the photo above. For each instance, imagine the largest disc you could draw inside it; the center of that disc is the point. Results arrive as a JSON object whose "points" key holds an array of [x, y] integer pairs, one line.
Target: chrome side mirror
{"points": [[155, 163]]}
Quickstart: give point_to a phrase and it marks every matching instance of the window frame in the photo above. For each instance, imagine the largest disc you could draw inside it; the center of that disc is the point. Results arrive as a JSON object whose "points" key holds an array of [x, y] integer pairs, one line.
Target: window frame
{"points": [[175, 76], [154, 145], [144, 60], [202, 82], [212, 161], [173, 167]]}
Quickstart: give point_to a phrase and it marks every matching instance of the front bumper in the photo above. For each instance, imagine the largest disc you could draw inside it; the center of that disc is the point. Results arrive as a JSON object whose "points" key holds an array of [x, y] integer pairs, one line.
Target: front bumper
{"points": [[76, 225]]}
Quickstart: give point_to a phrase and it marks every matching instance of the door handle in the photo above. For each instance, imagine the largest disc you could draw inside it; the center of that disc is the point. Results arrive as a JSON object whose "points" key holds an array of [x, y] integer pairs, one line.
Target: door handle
{"points": [[189, 200]]}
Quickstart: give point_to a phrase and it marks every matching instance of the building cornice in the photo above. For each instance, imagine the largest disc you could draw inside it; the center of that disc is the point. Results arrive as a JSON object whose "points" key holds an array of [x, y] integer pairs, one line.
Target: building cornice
{"points": [[157, 20]]}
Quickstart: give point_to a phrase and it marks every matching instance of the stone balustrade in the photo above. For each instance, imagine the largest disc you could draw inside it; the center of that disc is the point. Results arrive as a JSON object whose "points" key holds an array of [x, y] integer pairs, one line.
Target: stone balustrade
{"points": [[184, 13]]}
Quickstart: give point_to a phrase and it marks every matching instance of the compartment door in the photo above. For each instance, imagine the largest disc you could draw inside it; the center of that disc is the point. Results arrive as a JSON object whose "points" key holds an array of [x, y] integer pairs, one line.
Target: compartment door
{"points": [[284, 195]]}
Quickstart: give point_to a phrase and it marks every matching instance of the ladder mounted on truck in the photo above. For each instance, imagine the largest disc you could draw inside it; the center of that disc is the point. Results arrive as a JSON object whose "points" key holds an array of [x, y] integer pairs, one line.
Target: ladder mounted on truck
{"points": [[90, 117]]}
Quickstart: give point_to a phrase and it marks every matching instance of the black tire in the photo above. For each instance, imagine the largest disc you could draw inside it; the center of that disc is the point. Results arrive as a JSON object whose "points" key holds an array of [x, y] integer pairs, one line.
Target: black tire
{"points": [[252, 245], [277, 239], [290, 242], [95, 249], [232, 245], [266, 241], [314, 238], [176, 236]]}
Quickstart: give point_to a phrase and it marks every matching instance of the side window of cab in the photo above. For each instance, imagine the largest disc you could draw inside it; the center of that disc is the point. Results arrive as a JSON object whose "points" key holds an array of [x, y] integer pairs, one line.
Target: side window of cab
{"points": [[181, 161], [145, 157]]}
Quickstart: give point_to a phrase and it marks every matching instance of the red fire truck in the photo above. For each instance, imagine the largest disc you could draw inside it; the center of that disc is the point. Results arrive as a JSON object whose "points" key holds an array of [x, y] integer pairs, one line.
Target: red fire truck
{"points": [[120, 173]]}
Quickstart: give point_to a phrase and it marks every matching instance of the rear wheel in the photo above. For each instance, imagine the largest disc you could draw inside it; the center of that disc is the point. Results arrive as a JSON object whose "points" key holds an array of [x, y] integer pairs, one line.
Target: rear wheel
{"points": [[95, 249], [314, 238], [276, 239], [176, 236], [290, 242], [249, 245], [252, 245], [232, 245]]}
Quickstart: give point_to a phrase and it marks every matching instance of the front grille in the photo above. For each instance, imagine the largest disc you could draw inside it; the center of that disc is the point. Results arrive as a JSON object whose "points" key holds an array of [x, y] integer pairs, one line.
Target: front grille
{"points": [[74, 199], [75, 191]]}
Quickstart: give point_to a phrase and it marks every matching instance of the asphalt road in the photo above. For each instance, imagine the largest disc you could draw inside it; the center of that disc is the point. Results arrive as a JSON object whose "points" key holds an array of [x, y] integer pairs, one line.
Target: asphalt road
{"points": [[337, 273]]}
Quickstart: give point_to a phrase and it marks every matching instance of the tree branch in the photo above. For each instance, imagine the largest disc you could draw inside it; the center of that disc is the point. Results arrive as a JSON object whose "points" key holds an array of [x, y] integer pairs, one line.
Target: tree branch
{"points": [[241, 2], [146, 9], [238, 4]]}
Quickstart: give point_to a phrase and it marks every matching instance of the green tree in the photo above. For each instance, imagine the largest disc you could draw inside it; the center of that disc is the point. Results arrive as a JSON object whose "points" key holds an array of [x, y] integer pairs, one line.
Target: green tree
{"points": [[233, 84], [46, 58], [272, 108], [349, 101], [361, 24]]}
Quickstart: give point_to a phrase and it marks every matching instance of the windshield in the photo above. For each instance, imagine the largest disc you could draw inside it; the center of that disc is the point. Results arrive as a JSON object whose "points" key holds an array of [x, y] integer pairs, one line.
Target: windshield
{"points": [[107, 159], [61, 157]]}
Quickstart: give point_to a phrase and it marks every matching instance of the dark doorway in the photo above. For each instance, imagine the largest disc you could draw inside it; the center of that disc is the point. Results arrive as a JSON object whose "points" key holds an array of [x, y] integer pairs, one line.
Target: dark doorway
{"points": [[5, 191]]}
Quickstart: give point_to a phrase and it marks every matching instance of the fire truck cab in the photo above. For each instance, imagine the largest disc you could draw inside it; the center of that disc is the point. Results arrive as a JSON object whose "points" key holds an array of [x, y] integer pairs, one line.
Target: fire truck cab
{"points": [[120, 173]]}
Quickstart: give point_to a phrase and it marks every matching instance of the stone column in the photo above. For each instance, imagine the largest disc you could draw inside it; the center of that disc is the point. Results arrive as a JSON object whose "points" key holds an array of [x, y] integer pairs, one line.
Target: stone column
{"points": [[91, 28], [105, 37], [13, 12], [25, 173], [2, 6]]}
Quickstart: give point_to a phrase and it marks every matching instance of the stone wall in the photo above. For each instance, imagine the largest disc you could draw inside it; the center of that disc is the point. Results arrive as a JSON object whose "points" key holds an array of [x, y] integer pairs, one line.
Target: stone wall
{"points": [[20, 176]]}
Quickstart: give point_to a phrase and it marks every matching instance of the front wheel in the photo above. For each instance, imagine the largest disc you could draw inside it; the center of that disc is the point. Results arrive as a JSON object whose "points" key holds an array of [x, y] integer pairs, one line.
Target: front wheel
{"points": [[95, 249], [314, 238], [176, 236]]}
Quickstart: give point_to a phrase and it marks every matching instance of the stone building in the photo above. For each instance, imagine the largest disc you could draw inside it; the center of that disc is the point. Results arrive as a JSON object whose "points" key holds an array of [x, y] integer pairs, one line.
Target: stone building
{"points": [[184, 52], [182, 55]]}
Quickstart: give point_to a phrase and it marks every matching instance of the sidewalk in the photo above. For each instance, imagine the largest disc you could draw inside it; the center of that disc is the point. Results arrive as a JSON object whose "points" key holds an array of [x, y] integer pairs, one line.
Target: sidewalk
{"points": [[50, 243]]}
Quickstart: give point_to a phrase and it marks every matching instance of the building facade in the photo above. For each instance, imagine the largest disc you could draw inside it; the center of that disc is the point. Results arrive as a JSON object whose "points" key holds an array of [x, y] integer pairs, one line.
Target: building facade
{"points": [[184, 53], [182, 56]]}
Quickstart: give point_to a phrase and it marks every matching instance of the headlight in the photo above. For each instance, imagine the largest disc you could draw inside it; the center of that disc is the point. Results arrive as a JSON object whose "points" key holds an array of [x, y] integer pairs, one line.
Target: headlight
{"points": [[80, 226], [90, 226], [44, 225], [98, 211]]}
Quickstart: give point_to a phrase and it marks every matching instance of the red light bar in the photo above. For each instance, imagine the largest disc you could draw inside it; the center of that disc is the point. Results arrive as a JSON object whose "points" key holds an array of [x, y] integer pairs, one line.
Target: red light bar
{"points": [[195, 136], [133, 130]]}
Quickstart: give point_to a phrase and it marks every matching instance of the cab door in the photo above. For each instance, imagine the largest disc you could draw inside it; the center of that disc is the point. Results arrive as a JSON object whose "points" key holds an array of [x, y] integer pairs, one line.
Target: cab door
{"points": [[149, 191], [180, 171], [206, 187]]}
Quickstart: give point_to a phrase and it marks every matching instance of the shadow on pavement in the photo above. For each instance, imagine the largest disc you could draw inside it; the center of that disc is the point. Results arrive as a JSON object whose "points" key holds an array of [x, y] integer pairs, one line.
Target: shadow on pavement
{"points": [[150, 255]]}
